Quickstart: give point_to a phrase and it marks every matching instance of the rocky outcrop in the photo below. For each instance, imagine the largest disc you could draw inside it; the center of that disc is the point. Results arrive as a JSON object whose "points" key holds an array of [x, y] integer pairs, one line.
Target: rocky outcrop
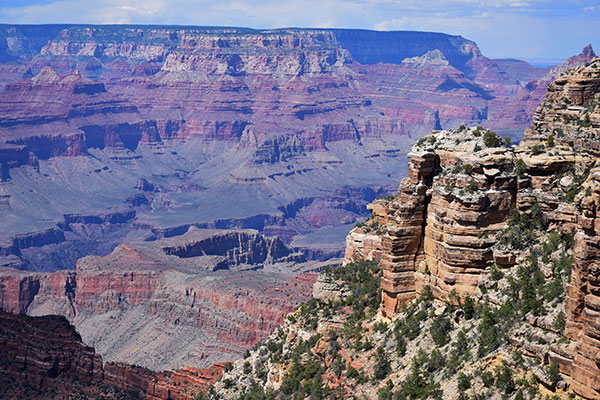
{"points": [[37, 350], [583, 299], [570, 111], [572, 115], [44, 357], [328, 289], [208, 295], [436, 230], [234, 248], [440, 229], [53, 293], [520, 106], [183, 384]]}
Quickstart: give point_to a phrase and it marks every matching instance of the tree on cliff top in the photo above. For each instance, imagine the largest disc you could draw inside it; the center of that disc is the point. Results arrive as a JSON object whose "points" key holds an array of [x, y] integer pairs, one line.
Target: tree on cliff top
{"points": [[491, 139]]}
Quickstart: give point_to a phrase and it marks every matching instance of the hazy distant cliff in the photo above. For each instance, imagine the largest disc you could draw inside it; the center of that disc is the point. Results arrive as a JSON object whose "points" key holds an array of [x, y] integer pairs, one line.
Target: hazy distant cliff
{"points": [[293, 130]]}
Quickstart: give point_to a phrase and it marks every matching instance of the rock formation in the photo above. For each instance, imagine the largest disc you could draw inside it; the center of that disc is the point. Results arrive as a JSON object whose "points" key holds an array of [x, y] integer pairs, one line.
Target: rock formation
{"points": [[189, 300], [263, 121], [435, 230], [442, 228], [44, 358]]}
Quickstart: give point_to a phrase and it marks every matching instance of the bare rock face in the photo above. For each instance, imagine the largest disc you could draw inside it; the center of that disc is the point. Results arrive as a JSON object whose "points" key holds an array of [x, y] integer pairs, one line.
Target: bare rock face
{"points": [[434, 231], [439, 230], [583, 299], [289, 131], [44, 358], [570, 110], [195, 299], [361, 245], [569, 116], [328, 290], [41, 349]]}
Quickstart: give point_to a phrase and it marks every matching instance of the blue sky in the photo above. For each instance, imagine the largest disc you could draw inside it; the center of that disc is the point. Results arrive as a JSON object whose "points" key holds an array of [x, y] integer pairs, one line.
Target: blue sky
{"points": [[501, 28]]}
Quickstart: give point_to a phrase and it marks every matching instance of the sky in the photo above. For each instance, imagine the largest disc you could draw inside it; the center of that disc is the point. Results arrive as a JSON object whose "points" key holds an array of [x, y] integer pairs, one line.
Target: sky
{"points": [[550, 29]]}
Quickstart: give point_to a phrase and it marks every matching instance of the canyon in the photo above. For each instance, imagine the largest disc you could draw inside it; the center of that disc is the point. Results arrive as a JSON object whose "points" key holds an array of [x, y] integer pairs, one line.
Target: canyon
{"points": [[172, 191], [477, 279], [118, 134], [192, 300]]}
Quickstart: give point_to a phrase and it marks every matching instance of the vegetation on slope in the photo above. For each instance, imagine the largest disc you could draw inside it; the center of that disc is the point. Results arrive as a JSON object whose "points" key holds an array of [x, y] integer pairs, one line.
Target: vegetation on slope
{"points": [[467, 348]]}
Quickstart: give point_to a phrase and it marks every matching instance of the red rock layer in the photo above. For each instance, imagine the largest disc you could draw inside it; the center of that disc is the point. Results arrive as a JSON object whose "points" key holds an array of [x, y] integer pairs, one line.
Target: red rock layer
{"points": [[184, 290], [583, 301], [41, 357]]}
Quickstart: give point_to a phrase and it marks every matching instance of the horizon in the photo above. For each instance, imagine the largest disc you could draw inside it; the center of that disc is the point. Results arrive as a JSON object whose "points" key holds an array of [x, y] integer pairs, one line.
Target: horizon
{"points": [[535, 61], [533, 29]]}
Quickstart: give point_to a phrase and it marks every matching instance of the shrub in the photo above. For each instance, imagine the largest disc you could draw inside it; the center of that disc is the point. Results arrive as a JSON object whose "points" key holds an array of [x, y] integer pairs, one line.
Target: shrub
{"points": [[436, 361], [520, 168], [468, 307], [351, 372], [228, 367], [385, 393], [464, 381], [380, 327], [472, 186], [227, 383], [504, 379], [338, 366], [537, 149], [382, 364], [439, 330], [489, 338], [507, 141], [491, 139], [559, 321], [247, 368], [477, 148], [553, 372], [550, 141], [495, 273], [487, 378]]}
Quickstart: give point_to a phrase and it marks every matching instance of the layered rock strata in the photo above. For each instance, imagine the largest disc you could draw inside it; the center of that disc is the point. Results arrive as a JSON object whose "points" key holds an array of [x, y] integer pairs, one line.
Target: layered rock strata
{"points": [[195, 299], [438, 227], [43, 357], [307, 123], [439, 230]]}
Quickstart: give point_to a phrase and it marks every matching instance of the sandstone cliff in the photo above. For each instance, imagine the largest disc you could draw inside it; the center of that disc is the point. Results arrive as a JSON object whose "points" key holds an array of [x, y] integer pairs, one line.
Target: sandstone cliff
{"points": [[453, 222]]}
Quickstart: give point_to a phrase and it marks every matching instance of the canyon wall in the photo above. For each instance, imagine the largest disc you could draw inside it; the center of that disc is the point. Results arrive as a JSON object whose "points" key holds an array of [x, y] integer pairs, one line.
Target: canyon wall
{"points": [[190, 300], [289, 131], [442, 229], [44, 358]]}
